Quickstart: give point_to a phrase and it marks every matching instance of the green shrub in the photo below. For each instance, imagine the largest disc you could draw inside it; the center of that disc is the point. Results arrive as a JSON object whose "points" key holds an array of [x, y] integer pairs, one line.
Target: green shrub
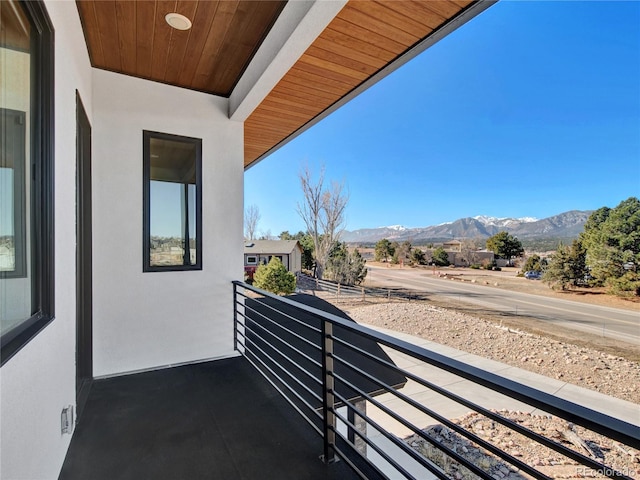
{"points": [[274, 277], [439, 257], [627, 285]]}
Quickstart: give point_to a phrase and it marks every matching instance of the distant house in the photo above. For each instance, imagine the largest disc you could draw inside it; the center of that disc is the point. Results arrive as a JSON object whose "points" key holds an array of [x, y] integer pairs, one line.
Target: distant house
{"points": [[258, 252], [452, 246], [459, 258]]}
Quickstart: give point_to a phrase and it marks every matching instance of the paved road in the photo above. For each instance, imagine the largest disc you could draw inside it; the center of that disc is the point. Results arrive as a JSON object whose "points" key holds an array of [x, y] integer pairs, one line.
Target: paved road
{"points": [[610, 322]]}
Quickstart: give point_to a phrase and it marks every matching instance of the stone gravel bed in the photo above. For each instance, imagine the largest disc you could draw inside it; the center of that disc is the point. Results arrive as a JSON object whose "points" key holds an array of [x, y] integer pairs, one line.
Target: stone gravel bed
{"points": [[588, 368]]}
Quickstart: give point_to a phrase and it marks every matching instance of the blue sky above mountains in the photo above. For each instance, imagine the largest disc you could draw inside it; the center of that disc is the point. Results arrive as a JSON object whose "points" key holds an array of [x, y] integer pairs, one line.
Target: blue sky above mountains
{"points": [[529, 110]]}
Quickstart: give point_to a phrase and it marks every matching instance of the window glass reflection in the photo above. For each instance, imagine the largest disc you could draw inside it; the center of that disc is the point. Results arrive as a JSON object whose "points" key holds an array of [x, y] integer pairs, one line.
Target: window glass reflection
{"points": [[172, 169], [15, 114]]}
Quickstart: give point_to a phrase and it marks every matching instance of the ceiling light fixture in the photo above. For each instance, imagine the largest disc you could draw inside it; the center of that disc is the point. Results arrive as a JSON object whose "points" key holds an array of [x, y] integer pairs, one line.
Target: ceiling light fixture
{"points": [[177, 21]]}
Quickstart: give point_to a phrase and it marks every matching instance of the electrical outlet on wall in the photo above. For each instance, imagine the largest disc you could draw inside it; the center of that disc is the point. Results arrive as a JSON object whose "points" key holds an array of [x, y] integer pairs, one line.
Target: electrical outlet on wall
{"points": [[67, 420]]}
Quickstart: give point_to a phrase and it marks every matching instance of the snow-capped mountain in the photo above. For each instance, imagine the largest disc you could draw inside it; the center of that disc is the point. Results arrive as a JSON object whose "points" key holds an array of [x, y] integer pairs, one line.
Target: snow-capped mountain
{"points": [[398, 228], [504, 222], [564, 225]]}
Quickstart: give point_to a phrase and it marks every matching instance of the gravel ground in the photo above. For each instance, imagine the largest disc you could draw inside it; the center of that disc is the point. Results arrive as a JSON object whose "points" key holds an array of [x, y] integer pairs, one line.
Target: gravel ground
{"points": [[578, 365], [608, 374]]}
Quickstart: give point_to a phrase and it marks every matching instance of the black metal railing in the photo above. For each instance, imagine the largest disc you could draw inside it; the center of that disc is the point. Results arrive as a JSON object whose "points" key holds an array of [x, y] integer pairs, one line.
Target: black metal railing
{"points": [[340, 376]]}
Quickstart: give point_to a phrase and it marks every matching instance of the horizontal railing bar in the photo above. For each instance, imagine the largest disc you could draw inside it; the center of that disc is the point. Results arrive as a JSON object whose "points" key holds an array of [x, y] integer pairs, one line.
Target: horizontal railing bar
{"points": [[299, 367], [611, 427], [284, 395], [281, 327], [287, 344], [379, 450], [451, 453], [453, 426], [282, 341], [257, 300], [393, 439], [598, 422], [431, 413], [311, 392], [584, 460]]}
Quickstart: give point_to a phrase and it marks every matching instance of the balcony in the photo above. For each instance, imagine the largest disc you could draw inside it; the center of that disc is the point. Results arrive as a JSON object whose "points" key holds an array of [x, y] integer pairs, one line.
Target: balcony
{"points": [[315, 395]]}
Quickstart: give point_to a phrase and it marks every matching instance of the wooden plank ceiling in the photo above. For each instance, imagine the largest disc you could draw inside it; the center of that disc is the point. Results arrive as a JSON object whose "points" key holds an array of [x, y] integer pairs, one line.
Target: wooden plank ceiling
{"points": [[132, 37], [360, 41], [366, 36], [15, 28]]}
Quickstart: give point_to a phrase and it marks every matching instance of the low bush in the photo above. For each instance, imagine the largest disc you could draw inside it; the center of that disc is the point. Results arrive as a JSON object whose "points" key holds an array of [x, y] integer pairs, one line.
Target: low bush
{"points": [[274, 277]]}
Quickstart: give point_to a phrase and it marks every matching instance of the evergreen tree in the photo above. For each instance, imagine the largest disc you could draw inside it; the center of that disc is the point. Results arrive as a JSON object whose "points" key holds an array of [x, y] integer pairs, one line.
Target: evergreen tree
{"points": [[534, 263], [440, 257], [274, 277], [345, 267], [567, 267], [383, 250], [505, 245], [418, 257], [611, 238]]}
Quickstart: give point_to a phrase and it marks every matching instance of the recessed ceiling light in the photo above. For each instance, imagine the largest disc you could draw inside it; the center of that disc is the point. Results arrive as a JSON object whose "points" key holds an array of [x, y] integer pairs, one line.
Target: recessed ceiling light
{"points": [[177, 21]]}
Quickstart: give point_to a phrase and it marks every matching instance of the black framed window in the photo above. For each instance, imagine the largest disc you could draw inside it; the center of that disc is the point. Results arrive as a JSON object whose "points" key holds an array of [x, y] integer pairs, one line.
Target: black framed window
{"points": [[26, 173], [172, 219]]}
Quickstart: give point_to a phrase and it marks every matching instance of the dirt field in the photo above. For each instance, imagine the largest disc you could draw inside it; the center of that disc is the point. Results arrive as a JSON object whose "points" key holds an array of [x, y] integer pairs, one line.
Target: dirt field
{"points": [[592, 362], [507, 279]]}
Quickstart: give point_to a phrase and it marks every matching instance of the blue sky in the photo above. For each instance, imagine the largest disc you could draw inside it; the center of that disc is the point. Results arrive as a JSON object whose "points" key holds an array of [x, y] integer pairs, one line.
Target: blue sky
{"points": [[529, 110]]}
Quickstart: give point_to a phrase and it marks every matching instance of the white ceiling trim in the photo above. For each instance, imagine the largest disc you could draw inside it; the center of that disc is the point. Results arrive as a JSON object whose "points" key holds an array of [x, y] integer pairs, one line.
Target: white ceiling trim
{"points": [[299, 24]]}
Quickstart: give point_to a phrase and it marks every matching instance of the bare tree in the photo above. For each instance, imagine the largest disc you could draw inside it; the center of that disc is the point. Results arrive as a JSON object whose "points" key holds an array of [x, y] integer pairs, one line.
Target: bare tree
{"points": [[469, 250], [251, 219], [323, 214]]}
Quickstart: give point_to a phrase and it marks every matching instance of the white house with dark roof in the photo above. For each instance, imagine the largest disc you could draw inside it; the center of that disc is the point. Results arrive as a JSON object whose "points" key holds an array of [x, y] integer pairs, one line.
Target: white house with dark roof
{"points": [[259, 252]]}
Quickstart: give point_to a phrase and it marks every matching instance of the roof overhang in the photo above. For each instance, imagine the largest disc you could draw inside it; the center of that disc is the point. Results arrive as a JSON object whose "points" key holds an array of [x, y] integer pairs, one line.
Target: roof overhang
{"points": [[363, 43], [283, 66]]}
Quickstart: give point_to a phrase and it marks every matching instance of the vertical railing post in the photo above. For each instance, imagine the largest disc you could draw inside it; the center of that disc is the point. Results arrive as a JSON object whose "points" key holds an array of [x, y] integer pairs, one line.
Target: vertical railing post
{"points": [[328, 399], [235, 317]]}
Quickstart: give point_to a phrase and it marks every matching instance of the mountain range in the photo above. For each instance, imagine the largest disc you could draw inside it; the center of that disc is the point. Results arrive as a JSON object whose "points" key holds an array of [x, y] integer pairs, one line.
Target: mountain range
{"points": [[565, 225]]}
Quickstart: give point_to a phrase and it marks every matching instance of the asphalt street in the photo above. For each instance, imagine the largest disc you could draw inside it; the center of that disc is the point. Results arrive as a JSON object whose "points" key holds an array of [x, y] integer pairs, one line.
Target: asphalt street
{"points": [[609, 322]]}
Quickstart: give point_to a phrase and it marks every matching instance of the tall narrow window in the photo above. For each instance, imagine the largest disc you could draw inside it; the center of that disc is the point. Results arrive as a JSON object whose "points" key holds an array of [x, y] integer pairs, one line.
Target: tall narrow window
{"points": [[26, 173], [172, 202]]}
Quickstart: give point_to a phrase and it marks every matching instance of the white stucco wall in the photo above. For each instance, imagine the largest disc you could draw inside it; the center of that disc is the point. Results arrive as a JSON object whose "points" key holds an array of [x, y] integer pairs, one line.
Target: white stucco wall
{"points": [[155, 319], [40, 379]]}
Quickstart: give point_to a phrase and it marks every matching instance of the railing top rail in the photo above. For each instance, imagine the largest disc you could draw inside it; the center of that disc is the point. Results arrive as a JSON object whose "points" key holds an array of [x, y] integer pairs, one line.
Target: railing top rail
{"points": [[604, 424]]}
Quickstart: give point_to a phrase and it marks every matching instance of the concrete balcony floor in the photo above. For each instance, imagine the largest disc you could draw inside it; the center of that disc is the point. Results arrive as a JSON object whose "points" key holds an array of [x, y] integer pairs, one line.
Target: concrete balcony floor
{"points": [[214, 420]]}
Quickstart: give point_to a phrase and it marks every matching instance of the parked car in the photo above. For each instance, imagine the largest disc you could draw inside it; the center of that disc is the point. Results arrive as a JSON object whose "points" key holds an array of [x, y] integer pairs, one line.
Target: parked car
{"points": [[533, 275]]}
